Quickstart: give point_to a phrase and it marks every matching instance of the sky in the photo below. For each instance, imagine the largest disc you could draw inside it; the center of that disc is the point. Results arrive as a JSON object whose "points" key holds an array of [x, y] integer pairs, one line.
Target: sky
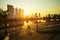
{"points": [[34, 6]]}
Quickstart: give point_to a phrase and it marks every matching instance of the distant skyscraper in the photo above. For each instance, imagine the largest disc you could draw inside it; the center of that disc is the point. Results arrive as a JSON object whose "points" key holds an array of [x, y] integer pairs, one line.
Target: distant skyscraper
{"points": [[19, 13], [39, 15], [35, 14], [11, 11], [16, 12], [22, 14]]}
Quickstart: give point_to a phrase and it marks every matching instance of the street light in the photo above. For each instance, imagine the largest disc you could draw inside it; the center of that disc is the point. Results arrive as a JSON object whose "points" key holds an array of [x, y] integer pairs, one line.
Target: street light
{"points": [[36, 21], [5, 14]]}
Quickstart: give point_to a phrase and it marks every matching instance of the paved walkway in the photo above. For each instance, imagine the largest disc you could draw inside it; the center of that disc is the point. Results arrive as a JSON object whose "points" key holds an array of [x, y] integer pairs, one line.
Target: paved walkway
{"points": [[24, 34]]}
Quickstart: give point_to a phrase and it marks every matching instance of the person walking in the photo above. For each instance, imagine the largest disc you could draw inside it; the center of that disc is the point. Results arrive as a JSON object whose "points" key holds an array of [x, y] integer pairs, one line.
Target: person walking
{"points": [[28, 29]]}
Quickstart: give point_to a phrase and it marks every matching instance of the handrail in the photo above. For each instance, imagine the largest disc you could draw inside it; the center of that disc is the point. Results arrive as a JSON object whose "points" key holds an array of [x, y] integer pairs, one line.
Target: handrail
{"points": [[10, 26]]}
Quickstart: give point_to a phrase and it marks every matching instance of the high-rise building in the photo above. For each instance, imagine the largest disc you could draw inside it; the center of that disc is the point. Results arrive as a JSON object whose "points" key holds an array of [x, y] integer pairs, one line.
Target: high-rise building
{"points": [[39, 15], [35, 14], [19, 13], [11, 11], [16, 12], [22, 13]]}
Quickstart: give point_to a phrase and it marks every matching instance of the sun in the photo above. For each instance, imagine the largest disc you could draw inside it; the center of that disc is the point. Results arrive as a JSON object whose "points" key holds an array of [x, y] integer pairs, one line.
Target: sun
{"points": [[26, 12]]}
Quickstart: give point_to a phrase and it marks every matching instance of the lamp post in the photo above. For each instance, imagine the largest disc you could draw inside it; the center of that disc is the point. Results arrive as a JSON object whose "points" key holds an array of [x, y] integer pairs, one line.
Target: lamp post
{"points": [[37, 24], [36, 21], [5, 14]]}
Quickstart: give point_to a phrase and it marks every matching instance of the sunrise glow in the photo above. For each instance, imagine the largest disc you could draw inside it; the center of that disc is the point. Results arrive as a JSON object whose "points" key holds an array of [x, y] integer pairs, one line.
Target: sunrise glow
{"points": [[26, 12]]}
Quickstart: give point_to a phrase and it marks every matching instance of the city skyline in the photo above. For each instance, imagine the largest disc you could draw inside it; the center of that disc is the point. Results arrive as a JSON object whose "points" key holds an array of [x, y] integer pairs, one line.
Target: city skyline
{"points": [[34, 6]]}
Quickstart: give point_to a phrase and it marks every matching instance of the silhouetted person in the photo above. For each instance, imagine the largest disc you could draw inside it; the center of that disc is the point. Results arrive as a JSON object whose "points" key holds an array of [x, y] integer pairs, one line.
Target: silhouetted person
{"points": [[28, 29]]}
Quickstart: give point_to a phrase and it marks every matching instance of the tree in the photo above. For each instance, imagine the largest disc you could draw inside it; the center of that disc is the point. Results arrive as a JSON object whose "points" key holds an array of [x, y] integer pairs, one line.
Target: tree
{"points": [[59, 17], [49, 16], [3, 18], [55, 16]]}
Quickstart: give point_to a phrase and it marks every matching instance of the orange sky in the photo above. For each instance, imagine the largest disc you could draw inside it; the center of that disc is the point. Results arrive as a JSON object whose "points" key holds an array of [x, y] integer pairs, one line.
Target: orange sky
{"points": [[34, 6]]}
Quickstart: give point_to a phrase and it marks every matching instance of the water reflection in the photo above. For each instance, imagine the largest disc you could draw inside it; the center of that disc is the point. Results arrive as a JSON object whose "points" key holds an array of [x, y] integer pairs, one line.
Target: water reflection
{"points": [[27, 22], [43, 20], [32, 24]]}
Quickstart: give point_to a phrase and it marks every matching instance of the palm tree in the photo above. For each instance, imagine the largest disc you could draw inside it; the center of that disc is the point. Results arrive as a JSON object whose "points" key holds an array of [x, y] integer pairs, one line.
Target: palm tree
{"points": [[49, 16], [59, 17], [55, 16]]}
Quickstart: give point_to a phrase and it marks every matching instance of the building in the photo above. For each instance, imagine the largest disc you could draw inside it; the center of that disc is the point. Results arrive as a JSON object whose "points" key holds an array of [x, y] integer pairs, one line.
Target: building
{"points": [[19, 13], [11, 11], [16, 12], [22, 13]]}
